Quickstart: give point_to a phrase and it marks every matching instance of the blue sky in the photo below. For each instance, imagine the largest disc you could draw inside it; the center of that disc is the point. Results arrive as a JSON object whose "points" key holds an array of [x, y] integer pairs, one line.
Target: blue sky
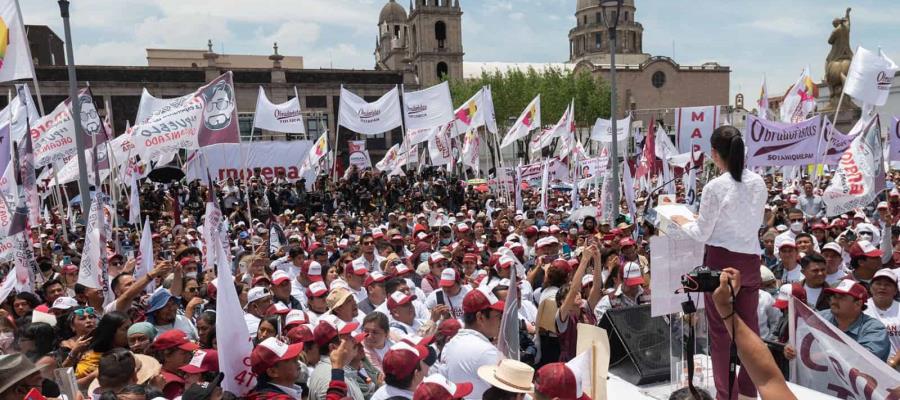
{"points": [[777, 38]]}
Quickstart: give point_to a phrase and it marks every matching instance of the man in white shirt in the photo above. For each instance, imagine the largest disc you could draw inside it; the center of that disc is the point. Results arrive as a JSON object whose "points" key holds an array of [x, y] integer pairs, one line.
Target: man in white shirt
{"points": [[258, 300], [403, 321], [834, 263], [369, 258], [355, 275], [788, 269], [471, 348], [451, 293], [404, 369]]}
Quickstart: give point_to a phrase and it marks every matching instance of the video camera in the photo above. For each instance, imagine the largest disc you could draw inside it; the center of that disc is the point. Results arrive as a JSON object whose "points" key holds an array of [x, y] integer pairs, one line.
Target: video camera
{"points": [[701, 279]]}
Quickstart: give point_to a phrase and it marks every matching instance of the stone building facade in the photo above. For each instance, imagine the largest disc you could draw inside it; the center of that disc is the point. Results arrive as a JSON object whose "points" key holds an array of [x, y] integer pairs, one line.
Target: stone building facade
{"points": [[647, 86], [425, 44]]}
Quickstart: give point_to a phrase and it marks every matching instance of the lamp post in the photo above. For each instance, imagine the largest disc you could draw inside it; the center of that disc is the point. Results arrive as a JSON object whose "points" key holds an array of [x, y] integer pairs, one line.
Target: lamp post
{"points": [[611, 25], [83, 187]]}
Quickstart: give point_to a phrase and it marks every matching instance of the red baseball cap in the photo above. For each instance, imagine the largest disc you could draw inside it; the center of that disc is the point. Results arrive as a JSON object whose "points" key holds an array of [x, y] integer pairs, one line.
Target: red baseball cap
{"points": [[278, 277], [172, 339], [556, 380], [277, 308], [470, 257], [626, 242], [328, 329], [270, 352], [375, 277], [632, 274], [300, 334], [398, 299], [864, 248], [69, 268], [437, 387], [851, 288], [205, 360], [448, 277], [562, 264], [531, 231], [295, 317], [505, 262], [316, 289], [256, 281], [358, 268], [481, 299], [449, 327], [312, 270], [402, 359]]}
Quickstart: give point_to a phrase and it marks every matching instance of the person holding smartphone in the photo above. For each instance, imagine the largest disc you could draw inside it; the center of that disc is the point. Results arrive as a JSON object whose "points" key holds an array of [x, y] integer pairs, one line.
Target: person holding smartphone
{"points": [[731, 211]]}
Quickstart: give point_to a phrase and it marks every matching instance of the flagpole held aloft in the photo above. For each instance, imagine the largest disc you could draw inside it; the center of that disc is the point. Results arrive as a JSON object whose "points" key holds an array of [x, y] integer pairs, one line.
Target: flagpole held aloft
{"points": [[83, 186]]}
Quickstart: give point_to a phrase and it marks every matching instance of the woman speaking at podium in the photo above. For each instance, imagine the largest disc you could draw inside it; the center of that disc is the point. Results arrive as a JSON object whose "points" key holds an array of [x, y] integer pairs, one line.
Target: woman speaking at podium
{"points": [[731, 212]]}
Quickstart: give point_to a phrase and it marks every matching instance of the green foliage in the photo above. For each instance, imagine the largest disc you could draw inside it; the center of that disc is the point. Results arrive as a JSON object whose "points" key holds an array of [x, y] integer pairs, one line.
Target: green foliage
{"points": [[514, 89]]}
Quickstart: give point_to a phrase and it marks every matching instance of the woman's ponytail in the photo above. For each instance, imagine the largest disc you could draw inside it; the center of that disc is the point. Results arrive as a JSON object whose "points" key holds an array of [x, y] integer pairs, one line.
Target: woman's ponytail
{"points": [[727, 142]]}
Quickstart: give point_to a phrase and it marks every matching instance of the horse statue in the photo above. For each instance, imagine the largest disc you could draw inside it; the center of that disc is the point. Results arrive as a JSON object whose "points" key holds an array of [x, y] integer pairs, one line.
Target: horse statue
{"points": [[837, 64]]}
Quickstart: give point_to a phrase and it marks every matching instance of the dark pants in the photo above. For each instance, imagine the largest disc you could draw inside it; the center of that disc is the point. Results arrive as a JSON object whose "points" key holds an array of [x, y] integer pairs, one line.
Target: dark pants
{"points": [[745, 306]]}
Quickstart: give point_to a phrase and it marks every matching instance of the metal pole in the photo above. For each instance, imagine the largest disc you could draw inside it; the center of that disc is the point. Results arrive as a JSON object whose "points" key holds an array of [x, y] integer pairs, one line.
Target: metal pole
{"points": [[614, 156], [83, 187]]}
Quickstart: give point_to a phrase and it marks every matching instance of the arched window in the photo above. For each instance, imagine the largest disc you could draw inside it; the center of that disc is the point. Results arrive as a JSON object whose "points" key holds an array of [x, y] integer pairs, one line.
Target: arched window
{"points": [[658, 79], [442, 70], [440, 33]]}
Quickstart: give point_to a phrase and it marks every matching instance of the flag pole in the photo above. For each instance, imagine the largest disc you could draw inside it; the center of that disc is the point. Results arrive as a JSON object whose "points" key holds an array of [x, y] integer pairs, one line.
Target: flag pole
{"points": [[403, 128], [302, 124], [337, 133]]}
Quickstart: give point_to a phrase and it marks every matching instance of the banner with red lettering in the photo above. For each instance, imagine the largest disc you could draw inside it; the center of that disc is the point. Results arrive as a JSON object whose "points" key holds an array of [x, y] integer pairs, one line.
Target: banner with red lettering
{"points": [[860, 175], [771, 143], [694, 126], [439, 147], [271, 158], [831, 362], [206, 117]]}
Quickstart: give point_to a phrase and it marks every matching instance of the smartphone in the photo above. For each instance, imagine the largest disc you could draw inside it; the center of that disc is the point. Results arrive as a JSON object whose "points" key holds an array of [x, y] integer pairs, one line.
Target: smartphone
{"points": [[67, 260], [166, 255]]}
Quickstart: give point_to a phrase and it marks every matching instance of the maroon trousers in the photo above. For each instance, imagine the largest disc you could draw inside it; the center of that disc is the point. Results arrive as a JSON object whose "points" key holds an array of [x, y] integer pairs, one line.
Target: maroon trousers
{"points": [[718, 258]]}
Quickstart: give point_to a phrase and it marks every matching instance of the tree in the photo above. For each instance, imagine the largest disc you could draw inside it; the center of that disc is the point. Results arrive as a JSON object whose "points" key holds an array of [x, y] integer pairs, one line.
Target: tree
{"points": [[514, 89]]}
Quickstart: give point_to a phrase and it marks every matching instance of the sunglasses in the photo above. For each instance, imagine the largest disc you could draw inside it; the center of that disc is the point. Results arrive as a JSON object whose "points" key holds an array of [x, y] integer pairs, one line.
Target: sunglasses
{"points": [[368, 243], [87, 311]]}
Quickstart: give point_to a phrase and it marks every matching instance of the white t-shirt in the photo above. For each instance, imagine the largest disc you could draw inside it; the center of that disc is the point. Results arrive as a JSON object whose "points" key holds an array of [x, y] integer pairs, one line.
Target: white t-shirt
{"points": [[833, 279], [183, 324], [252, 323], [791, 276], [812, 295], [455, 302], [464, 354], [891, 320]]}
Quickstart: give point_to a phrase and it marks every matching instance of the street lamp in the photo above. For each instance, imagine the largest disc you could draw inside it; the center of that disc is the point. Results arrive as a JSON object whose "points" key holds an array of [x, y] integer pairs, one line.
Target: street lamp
{"points": [[611, 25], [83, 187]]}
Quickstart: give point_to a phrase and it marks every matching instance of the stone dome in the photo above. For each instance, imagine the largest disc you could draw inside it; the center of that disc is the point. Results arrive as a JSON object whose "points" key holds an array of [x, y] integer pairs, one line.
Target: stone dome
{"points": [[392, 12]]}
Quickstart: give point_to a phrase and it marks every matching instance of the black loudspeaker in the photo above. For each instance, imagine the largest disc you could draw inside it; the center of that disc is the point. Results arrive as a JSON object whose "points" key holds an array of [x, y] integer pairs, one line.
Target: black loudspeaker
{"points": [[638, 344]]}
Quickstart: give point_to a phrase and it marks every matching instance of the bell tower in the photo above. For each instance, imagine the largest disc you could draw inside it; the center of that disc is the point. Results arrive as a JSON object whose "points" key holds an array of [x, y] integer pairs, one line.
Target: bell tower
{"points": [[435, 48]]}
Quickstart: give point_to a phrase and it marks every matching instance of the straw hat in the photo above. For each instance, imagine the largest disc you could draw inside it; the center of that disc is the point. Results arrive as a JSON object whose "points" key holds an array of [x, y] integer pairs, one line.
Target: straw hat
{"points": [[510, 375]]}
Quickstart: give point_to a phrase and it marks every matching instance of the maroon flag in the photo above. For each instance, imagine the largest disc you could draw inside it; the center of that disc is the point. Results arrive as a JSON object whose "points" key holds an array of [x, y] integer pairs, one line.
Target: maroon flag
{"points": [[220, 121], [648, 157]]}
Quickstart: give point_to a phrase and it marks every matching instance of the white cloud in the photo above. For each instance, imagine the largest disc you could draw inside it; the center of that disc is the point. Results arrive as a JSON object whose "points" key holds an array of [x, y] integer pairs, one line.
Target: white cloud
{"points": [[110, 53], [788, 26], [182, 31]]}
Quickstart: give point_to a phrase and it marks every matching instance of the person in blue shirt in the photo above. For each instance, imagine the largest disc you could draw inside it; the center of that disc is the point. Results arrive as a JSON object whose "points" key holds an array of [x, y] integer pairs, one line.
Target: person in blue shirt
{"points": [[848, 300]]}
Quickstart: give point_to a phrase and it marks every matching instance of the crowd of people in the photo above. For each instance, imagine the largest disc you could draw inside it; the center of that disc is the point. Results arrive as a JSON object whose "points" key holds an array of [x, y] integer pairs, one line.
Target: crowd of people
{"points": [[393, 287]]}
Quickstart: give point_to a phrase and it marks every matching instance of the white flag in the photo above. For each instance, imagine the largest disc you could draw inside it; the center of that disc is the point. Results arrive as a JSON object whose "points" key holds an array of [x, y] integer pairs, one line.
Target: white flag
{"points": [[545, 185], [316, 152], [870, 76], [416, 136], [90, 272], [860, 175], [15, 55], [439, 147], [470, 154], [476, 112], [800, 99], [366, 118], [545, 136], [428, 108], [16, 112], [397, 156], [230, 326], [145, 264], [285, 117], [694, 126], [894, 137], [831, 362], [134, 202], [527, 122], [602, 132]]}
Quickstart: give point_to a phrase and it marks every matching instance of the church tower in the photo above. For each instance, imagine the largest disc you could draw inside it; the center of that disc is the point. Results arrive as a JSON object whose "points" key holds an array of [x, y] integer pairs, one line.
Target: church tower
{"points": [[391, 45], [435, 47]]}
